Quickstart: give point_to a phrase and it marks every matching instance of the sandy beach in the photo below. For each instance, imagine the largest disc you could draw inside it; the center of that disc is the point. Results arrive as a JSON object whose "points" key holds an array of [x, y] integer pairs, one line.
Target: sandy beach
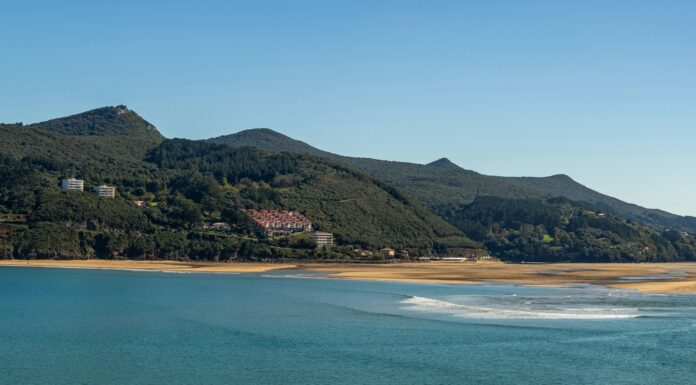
{"points": [[647, 277], [202, 267]]}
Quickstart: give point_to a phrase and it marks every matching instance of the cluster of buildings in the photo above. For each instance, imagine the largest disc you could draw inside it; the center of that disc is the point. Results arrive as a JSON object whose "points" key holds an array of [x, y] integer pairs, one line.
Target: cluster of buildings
{"points": [[72, 184], [386, 253], [461, 258], [270, 223], [279, 223]]}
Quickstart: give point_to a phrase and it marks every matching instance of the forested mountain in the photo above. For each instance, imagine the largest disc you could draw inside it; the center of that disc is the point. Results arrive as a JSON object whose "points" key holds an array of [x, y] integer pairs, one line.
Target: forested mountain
{"points": [[182, 186], [559, 229], [519, 219], [358, 209], [185, 186], [442, 184]]}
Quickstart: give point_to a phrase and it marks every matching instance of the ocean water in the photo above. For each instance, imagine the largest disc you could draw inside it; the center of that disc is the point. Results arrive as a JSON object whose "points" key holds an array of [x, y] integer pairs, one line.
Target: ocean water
{"points": [[75, 326]]}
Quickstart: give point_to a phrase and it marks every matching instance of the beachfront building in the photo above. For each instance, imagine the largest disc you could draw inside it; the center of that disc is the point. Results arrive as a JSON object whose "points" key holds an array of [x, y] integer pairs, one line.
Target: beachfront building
{"points": [[72, 184], [388, 252], [105, 191], [279, 223], [459, 259], [323, 239]]}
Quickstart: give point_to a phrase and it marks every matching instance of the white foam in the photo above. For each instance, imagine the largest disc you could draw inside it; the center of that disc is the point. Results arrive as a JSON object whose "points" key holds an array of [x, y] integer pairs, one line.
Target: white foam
{"points": [[436, 306], [295, 276]]}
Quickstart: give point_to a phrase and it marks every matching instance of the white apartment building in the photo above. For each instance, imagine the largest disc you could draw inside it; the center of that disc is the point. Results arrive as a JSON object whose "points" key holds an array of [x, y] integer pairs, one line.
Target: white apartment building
{"points": [[105, 191], [73, 184]]}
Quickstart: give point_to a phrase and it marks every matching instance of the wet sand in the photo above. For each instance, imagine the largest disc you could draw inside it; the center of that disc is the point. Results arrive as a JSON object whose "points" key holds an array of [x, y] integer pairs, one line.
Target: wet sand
{"points": [[648, 277]]}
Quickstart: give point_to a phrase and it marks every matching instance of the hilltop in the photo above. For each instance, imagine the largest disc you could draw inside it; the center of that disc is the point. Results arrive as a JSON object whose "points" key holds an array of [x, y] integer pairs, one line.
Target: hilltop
{"points": [[105, 121], [267, 139]]}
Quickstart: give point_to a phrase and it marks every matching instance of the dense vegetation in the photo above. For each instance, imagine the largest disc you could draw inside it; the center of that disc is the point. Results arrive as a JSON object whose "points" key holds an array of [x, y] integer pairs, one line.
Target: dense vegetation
{"points": [[563, 230], [105, 121], [359, 210], [442, 183], [186, 185]]}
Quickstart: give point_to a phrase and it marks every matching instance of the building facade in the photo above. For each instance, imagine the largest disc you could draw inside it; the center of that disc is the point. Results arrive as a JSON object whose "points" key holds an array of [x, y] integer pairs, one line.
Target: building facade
{"points": [[105, 191], [73, 184], [323, 239], [220, 226], [279, 223]]}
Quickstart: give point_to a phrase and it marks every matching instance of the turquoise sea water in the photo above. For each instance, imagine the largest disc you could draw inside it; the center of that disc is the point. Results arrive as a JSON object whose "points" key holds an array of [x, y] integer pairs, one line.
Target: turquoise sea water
{"points": [[70, 326]]}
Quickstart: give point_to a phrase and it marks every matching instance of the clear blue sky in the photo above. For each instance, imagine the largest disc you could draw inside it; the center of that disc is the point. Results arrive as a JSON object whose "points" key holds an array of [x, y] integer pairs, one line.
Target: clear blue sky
{"points": [[604, 91]]}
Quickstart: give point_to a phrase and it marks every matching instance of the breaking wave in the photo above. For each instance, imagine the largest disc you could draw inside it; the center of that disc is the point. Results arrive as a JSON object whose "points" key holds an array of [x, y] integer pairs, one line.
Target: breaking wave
{"points": [[297, 276], [436, 306]]}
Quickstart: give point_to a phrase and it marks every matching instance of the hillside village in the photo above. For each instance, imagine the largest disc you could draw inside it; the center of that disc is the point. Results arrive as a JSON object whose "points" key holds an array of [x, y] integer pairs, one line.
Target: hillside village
{"points": [[273, 224], [269, 223]]}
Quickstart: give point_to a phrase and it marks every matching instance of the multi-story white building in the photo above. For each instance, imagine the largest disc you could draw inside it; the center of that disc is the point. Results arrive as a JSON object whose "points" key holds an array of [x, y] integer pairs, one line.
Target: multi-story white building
{"points": [[323, 239], [105, 191], [73, 184]]}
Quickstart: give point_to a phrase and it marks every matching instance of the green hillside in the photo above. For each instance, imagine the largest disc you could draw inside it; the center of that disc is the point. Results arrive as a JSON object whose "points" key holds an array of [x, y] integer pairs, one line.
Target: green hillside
{"points": [[520, 219], [187, 185], [357, 208], [442, 184], [184, 186], [558, 230], [105, 121]]}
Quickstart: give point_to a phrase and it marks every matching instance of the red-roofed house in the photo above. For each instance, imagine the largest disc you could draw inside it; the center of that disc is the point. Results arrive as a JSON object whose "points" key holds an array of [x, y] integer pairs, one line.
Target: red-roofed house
{"points": [[279, 223]]}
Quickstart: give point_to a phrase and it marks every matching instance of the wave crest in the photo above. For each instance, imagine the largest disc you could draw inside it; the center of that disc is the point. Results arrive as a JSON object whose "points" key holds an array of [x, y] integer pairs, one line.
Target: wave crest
{"points": [[436, 306]]}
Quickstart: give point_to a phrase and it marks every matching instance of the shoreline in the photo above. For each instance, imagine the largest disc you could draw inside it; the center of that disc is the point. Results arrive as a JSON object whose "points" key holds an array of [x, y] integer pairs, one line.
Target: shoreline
{"points": [[658, 278], [154, 266]]}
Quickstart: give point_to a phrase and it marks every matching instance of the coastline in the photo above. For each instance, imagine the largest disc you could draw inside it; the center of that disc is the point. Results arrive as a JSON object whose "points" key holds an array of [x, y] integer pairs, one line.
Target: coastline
{"points": [[174, 266], [660, 278]]}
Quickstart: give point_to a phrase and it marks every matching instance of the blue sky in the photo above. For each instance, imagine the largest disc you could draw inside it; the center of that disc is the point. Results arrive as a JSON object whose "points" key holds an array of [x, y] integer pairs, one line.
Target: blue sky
{"points": [[604, 91]]}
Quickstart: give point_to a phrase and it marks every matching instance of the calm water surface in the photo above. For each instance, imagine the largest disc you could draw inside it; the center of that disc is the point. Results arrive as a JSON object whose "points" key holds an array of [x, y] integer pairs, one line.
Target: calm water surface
{"points": [[69, 326]]}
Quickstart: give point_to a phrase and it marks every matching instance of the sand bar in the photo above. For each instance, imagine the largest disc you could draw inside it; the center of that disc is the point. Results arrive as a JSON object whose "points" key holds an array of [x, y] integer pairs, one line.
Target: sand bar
{"points": [[648, 277]]}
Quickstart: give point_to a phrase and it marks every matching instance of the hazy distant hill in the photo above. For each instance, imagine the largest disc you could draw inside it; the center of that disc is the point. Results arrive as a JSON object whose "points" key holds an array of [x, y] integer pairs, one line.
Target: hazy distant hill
{"points": [[442, 184]]}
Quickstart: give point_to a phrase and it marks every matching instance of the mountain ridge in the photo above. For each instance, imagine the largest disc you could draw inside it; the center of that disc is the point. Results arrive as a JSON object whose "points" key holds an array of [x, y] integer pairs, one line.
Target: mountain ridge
{"points": [[442, 183], [183, 186]]}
